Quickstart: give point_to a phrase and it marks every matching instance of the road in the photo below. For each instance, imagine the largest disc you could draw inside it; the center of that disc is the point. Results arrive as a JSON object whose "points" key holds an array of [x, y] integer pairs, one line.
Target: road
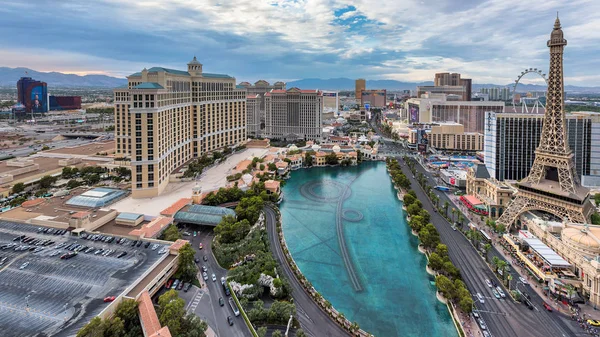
{"points": [[504, 318], [205, 301], [313, 320]]}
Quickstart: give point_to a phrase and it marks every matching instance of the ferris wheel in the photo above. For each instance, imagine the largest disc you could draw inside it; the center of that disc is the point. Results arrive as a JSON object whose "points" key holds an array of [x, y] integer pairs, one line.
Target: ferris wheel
{"points": [[536, 103]]}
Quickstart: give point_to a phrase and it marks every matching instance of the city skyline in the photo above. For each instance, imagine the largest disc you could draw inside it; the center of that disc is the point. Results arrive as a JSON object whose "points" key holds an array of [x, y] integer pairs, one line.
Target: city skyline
{"points": [[490, 42]]}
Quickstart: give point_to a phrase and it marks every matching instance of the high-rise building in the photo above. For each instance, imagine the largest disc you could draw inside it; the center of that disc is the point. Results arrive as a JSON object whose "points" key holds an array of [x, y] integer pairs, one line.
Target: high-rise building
{"points": [[331, 101], [360, 85], [438, 109], [294, 114], [375, 98], [453, 80], [166, 117], [33, 95], [260, 87], [512, 138], [253, 115], [496, 94]]}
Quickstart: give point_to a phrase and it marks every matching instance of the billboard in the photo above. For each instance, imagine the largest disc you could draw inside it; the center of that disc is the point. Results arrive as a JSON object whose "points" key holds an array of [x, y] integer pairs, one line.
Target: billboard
{"points": [[38, 100], [413, 113]]}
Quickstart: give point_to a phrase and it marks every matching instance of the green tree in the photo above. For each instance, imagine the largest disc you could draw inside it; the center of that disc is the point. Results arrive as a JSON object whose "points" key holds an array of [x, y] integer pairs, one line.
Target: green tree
{"points": [[229, 230], [193, 326], [171, 311], [171, 233], [597, 199], [47, 181], [308, 159], [72, 184], [272, 167], [187, 268], [446, 205], [277, 333], [429, 236], [128, 311], [18, 188], [67, 172], [280, 311], [331, 159], [91, 179], [595, 218], [425, 215], [466, 304], [413, 209], [442, 250], [300, 333], [435, 261], [408, 199], [249, 209], [444, 285], [95, 328], [262, 331]]}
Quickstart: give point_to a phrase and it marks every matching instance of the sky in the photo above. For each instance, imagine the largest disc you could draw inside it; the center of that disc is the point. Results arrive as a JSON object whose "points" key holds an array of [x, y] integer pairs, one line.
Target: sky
{"points": [[490, 41]]}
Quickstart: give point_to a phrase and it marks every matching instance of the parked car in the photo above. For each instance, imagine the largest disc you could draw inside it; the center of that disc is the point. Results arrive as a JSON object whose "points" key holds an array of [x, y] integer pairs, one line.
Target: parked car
{"points": [[109, 299], [187, 287], [180, 285], [524, 281], [214, 278], [593, 322], [196, 260], [205, 258], [175, 284]]}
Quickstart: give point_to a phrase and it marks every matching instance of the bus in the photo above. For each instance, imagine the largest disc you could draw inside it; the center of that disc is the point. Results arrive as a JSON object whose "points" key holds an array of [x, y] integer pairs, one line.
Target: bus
{"points": [[234, 307], [442, 188], [485, 237]]}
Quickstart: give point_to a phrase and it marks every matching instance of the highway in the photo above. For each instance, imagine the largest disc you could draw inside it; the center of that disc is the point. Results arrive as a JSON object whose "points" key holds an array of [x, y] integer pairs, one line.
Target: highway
{"points": [[313, 320]]}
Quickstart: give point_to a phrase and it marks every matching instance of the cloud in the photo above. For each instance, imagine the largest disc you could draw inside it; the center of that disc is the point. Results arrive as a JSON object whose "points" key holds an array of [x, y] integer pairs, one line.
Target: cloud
{"points": [[489, 40]]}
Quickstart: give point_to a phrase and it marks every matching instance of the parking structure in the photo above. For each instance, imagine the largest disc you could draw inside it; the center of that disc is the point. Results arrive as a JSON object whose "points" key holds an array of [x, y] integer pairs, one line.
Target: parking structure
{"points": [[46, 295]]}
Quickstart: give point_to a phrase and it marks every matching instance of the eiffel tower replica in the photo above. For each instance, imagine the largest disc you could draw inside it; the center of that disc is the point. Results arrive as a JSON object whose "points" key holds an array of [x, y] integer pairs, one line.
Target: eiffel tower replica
{"points": [[552, 184]]}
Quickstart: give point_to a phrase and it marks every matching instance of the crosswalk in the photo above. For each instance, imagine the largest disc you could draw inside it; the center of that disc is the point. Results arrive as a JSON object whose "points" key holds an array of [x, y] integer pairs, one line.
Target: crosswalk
{"points": [[195, 301]]}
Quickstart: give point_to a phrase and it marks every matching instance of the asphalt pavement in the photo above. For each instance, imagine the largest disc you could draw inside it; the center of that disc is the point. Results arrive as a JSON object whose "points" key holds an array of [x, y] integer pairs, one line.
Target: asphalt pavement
{"points": [[314, 321], [204, 302]]}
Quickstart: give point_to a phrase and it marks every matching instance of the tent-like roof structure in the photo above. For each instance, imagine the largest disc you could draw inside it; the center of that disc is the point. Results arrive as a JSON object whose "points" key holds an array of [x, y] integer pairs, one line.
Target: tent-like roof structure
{"points": [[203, 215], [98, 197], [546, 253]]}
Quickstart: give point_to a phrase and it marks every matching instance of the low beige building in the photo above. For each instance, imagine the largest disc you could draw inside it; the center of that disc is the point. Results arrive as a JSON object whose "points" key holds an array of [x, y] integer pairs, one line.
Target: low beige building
{"points": [[446, 136], [579, 244], [494, 194]]}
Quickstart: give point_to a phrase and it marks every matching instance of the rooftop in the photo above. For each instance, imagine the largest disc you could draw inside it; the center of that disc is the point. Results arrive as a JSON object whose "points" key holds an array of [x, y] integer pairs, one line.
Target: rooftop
{"points": [[202, 214], [176, 206], [88, 149], [98, 197], [136, 291], [129, 216], [151, 229], [148, 85], [150, 322]]}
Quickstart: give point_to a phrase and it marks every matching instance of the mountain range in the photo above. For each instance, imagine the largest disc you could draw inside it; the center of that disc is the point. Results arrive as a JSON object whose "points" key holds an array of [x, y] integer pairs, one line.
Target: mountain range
{"points": [[10, 76]]}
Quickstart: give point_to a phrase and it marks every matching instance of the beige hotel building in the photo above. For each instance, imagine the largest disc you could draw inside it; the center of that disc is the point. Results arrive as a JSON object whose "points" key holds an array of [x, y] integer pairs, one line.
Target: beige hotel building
{"points": [[294, 114], [166, 117]]}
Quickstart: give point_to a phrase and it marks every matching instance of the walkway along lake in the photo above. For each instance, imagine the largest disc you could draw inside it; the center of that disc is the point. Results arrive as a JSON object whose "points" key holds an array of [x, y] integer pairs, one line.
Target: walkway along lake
{"points": [[347, 232]]}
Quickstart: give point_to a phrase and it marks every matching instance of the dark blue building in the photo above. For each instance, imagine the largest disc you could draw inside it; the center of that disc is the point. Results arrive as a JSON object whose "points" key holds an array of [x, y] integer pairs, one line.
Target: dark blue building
{"points": [[33, 95]]}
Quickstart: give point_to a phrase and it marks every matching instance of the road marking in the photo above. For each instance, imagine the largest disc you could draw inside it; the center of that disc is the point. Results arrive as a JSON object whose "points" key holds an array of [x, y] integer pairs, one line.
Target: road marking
{"points": [[196, 301]]}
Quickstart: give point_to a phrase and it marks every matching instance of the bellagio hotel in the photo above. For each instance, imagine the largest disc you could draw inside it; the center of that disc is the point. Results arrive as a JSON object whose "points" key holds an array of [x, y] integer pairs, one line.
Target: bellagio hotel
{"points": [[165, 117]]}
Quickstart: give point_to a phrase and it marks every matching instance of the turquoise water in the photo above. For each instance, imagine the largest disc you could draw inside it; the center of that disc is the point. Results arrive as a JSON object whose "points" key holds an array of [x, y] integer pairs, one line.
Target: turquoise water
{"points": [[383, 285]]}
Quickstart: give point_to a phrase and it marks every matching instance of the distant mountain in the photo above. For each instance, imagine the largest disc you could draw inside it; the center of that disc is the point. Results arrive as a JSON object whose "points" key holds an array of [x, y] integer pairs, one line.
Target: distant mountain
{"points": [[392, 85], [10, 76]]}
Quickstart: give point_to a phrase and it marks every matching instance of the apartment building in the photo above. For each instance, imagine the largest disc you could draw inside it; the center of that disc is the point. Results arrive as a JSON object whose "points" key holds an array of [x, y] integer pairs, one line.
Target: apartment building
{"points": [[293, 114], [166, 117]]}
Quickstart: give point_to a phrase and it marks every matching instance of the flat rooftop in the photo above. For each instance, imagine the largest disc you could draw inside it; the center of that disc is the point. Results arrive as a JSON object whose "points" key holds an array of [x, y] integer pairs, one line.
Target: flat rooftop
{"points": [[146, 280], [45, 165], [54, 209], [64, 295], [111, 227], [87, 149]]}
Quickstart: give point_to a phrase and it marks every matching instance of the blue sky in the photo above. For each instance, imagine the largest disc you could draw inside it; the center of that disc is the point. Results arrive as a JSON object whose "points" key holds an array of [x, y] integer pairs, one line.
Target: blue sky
{"points": [[489, 40]]}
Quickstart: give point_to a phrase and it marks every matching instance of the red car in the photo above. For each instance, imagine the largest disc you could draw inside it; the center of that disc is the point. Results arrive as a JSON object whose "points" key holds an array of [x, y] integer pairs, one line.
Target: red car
{"points": [[547, 306], [200, 246], [109, 299], [168, 284]]}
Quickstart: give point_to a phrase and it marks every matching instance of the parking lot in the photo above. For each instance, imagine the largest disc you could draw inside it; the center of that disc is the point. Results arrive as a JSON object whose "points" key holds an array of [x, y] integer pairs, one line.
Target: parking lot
{"points": [[45, 295]]}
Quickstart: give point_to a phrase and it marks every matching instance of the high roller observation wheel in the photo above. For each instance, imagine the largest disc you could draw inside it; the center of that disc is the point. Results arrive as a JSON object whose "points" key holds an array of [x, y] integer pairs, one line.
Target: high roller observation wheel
{"points": [[518, 80]]}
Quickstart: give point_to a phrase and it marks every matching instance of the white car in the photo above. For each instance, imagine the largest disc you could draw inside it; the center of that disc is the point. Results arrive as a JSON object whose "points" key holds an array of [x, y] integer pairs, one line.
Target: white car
{"points": [[214, 278], [524, 281], [205, 276], [24, 265], [480, 298], [488, 282], [500, 292]]}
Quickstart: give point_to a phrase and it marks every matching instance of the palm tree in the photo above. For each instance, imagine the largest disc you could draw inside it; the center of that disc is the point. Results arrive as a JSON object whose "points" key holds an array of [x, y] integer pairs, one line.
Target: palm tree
{"points": [[495, 261], [503, 266], [453, 211], [461, 218], [487, 248], [446, 205]]}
